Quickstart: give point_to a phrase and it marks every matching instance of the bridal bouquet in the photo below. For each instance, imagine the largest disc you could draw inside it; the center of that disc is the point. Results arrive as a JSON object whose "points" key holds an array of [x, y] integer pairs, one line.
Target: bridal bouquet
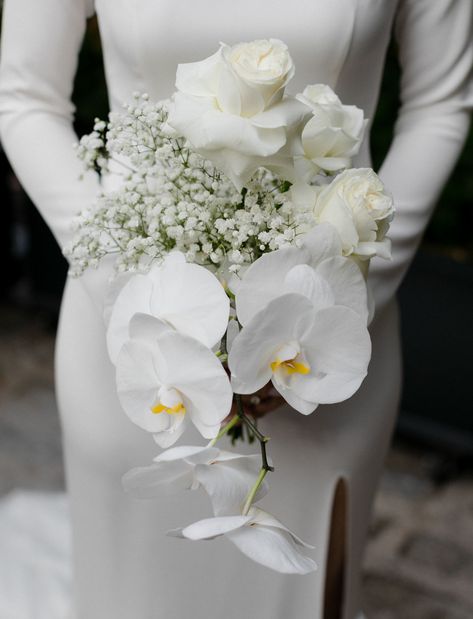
{"points": [[242, 242]]}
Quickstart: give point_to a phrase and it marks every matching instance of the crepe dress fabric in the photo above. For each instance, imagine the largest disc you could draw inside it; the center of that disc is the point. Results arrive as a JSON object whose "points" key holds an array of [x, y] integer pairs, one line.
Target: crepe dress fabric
{"points": [[124, 565]]}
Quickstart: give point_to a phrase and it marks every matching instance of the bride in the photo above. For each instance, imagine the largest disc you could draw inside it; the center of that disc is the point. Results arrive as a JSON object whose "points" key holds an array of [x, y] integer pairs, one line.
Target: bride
{"points": [[328, 463]]}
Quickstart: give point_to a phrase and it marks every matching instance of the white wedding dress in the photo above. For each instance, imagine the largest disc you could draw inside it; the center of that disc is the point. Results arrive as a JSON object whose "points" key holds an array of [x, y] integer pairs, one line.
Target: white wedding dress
{"points": [[124, 566]]}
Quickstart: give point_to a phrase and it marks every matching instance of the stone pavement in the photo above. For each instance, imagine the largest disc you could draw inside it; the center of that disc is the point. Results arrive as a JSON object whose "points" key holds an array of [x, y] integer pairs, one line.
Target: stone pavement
{"points": [[419, 561]]}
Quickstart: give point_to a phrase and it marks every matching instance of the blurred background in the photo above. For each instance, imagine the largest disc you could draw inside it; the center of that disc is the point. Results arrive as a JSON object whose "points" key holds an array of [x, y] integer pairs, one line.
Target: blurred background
{"points": [[420, 557]]}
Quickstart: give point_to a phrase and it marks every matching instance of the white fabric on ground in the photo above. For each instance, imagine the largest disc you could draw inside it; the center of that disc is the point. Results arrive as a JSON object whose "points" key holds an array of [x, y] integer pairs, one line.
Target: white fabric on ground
{"points": [[35, 551]]}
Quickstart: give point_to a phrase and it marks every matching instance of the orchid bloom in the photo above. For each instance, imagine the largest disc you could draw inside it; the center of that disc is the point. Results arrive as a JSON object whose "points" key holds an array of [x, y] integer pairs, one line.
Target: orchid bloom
{"points": [[165, 379], [259, 536], [316, 270], [187, 297], [227, 477], [312, 355]]}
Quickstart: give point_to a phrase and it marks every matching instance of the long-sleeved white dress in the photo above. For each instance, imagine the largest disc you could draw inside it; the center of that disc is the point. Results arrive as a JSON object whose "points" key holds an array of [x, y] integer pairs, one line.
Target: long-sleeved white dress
{"points": [[124, 566]]}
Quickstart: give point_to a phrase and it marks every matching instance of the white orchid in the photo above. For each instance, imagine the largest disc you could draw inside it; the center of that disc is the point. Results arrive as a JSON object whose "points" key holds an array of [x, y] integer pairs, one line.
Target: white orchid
{"points": [[171, 471], [259, 536], [312, 355], [165, 379], [331, 136], [227, 477], [316, 269], [187, 297]]}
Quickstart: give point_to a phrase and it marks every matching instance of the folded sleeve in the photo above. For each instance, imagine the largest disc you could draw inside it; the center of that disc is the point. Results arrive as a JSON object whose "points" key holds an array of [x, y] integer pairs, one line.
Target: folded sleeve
{"points": [[40, 44], [436, 57]]}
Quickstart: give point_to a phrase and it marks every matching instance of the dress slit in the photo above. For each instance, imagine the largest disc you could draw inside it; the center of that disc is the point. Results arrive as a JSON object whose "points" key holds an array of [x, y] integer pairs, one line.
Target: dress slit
{"points": [[335, 566]]}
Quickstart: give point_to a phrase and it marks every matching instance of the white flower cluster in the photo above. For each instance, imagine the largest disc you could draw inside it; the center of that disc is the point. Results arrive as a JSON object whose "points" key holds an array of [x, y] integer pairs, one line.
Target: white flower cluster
{"points": [[167, 197], [163, 328], [243, 266], [302, 313]]}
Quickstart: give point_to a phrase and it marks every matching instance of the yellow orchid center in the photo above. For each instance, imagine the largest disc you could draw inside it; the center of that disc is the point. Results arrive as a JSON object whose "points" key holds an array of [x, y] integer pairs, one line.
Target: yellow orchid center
{"points": [[291, 366], [170, 410], [289, 359], [169, 401]]}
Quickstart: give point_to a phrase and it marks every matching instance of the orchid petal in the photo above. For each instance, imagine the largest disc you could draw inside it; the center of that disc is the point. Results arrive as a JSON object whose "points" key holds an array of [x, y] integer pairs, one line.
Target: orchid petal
{"points": [[347, 284], [199, 376], [343, 342], [210, 528], [137, 386], [191, 299], [304, 280], [267, 278], [273, 548], [134, 297], [260, 517], [264, 280], [173, 433], [229, 481], [339, 349], [146, 328], [164, 478], [193, 454], [281, 321], [322, 242], [293, 399]]}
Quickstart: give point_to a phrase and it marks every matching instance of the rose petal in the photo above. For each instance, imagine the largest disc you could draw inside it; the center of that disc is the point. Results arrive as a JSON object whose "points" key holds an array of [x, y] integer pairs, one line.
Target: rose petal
{"points": [[199, 78]]}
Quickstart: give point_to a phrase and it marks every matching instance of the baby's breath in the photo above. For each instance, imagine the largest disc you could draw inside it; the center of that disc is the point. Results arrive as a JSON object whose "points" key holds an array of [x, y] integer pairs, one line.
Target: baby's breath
{"points": [[170, 198]]}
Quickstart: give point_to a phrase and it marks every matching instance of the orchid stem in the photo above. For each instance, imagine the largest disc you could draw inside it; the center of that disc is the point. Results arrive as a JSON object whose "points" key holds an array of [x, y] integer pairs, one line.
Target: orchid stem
{"points": [[253, 491], [233, 421], [262, 439]]}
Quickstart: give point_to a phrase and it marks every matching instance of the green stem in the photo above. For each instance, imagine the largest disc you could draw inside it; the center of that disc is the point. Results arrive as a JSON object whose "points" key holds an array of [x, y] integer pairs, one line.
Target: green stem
{"points": [[233, 421], [261, 438], [223, 345], [253, 491], [222, 356]]}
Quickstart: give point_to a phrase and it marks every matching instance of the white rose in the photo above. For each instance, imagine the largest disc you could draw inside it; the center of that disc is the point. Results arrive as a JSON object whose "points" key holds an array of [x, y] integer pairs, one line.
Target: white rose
{"points": [[319, 94], [331, 136], [231, 107], [262, 69], [357, 204]]}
